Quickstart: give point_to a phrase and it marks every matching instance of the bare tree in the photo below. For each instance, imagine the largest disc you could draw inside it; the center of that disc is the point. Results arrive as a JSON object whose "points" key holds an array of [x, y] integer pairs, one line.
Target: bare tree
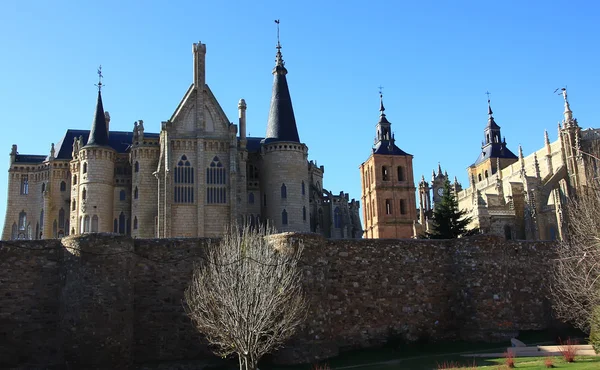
{"points": [[576, 274], [247, 297]]}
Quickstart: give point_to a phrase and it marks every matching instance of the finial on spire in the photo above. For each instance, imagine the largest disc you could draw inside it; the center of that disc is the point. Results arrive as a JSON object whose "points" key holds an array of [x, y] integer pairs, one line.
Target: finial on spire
{"points": [[278, 44], [381, 107], [439, 168], [546, 138], [279, 63], [99, 84], [489, 104]]}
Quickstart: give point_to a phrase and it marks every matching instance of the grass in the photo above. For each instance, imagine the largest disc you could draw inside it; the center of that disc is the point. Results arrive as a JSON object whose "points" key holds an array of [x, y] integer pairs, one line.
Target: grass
{"points": [[429, 356]]}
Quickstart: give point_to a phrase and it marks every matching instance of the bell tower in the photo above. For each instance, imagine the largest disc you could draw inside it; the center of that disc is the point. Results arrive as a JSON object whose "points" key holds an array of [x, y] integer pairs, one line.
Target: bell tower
{"points": [[388, 187]]}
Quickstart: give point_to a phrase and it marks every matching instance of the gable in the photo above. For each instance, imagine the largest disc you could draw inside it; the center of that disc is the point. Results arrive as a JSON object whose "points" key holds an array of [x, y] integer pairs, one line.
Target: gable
{"points": [[206, 116]]}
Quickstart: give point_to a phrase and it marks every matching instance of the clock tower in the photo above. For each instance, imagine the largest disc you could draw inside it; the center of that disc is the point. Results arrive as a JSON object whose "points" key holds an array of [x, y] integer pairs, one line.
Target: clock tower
{"points": [[388, 187]]}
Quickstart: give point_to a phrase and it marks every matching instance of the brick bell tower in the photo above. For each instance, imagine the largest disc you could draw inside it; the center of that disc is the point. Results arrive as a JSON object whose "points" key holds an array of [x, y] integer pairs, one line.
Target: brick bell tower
{"points": [[388, 187]]}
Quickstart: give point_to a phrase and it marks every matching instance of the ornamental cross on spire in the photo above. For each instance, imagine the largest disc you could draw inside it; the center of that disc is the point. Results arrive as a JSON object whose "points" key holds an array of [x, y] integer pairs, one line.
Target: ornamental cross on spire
{"points": [[99, 84]]}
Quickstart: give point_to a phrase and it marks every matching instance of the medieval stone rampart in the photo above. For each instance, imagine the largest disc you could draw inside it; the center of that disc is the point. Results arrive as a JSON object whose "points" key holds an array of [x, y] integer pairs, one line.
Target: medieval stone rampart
{"points": [[107, 301]]}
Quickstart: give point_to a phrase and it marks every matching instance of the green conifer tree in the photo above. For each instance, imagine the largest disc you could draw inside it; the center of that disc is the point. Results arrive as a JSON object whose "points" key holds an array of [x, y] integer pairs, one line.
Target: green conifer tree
{"points": [[448, 221]]}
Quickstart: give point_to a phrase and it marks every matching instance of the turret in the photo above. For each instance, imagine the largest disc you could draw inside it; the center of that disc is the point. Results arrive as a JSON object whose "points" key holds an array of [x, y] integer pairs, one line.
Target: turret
{"points": [[92, 204], [284, 173]]}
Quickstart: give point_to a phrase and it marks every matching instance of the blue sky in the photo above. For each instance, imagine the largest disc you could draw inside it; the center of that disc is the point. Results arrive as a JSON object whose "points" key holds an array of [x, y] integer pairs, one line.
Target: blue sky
{"points": [[435, 59]]}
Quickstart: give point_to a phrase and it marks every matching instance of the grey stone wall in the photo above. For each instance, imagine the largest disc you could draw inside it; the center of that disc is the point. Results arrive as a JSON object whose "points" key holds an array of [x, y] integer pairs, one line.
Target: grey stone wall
{"points": [[109, 301]]}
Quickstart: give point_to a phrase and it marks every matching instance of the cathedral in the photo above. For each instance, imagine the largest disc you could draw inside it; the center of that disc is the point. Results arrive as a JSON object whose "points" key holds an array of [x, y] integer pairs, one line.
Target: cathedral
{"points": [[196, 177], [517, 196]]}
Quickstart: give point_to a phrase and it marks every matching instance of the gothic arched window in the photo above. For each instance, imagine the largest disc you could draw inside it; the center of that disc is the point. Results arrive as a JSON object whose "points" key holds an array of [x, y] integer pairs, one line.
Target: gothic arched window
{"points": [[136, 166], [122, 195], [303, 213], [122, 223], [61, 218], [337, 218], [216, 178], [303, 188], [184, 180], [284, 218], [63, 186], [250, 198], [24, 184], [135, 194], [86, 224], [74, 179], [22, 220], [74, 205], [84, 167], [135, 223], [83, 194], [283, 191], [95, 224]]}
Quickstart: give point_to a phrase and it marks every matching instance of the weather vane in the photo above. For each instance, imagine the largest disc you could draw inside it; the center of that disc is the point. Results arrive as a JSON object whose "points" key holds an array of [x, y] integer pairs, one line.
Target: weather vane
{"points": [[563, 92], [488, 95], [380, 90], [278, 44], [99, 84]]}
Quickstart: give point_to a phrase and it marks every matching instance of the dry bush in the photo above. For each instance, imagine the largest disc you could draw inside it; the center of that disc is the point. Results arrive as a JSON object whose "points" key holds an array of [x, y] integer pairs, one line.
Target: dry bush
{"points": [[509, 359], [568, 350]]}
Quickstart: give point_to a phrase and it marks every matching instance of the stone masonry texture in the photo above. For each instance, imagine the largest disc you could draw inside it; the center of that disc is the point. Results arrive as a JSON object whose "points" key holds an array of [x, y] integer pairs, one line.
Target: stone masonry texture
{"points": [[108, 301]]}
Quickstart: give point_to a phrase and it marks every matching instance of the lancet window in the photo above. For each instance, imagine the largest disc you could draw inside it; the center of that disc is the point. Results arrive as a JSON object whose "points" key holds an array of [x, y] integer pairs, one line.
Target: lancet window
{"points": [[184, 181], [216, 179]]}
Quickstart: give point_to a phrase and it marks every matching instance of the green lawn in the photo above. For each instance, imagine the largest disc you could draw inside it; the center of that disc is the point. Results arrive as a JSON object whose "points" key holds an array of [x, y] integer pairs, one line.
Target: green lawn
{"points": [[429, 356], [531, 363]]}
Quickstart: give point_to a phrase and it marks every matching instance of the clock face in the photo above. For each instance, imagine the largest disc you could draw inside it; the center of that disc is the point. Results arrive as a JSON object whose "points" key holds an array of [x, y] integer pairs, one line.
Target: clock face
{"points": [[440, 191]]}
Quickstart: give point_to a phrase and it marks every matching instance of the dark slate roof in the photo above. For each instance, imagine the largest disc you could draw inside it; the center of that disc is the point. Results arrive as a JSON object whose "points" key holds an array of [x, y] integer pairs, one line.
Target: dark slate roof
{"points": [[492, 124], [383, 147], [282, 122], [253, 144], [99, 135], [118, 140], [496, 150], [30, 158]]}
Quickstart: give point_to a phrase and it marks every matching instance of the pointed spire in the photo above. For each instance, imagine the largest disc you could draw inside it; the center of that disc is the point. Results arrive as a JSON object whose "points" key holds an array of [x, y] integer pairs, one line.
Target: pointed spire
{"points": [[520, 152], [281, 125], [536, 165], [546, 138], [455, 180], [382, 117], [491, 122], [439, 169], [99, 131]]}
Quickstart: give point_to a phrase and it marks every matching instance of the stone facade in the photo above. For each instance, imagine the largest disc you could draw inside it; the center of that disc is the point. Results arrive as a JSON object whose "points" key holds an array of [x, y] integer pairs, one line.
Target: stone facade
{"points": [[521, 197], [193, 179], [109, 301]]}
